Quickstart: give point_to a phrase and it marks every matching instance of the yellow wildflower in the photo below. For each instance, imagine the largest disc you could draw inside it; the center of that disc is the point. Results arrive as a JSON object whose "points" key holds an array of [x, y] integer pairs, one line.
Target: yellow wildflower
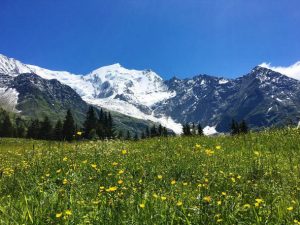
{"points": [[159, 177], [68, 212], [290, 208], [163, 198], [65, 181], [124, 151], [173, 182], [179, 203], [218, 147], [111, 189], [120, 182], [207, 199], [142, 205], [58, 215]]}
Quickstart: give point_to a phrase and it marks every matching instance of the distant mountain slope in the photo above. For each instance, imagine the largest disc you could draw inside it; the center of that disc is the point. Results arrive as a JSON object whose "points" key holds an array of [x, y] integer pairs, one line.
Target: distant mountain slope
{"points": [[262, 97], [35, 97]]}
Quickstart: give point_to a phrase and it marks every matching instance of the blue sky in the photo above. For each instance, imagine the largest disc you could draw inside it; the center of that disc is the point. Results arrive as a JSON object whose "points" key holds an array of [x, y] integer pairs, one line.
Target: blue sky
{"points": [[172, 37]]}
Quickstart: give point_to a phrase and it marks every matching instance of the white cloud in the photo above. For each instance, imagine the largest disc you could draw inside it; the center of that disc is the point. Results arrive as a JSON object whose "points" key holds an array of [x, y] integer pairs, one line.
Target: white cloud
{"points": [[292, 71]]}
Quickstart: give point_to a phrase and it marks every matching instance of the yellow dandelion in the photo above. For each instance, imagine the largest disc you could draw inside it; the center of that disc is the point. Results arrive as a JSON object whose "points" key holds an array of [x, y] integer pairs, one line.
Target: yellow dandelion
{"points": [[218, 147], [207, 199], [58, 215], [142, 205], [233, 179], [259, 200], [290, 208], [198, 146], [121, 171], [257, 153], [120, 182], [65, 181], [124, 151], [159, 177], [179, 203], [65, 158], [219, 202], [112, 189], [247, 206], [94, 166], [224, 193], [163, 198], [155, 195], [115, 163], [173, 182], [68, 212]]}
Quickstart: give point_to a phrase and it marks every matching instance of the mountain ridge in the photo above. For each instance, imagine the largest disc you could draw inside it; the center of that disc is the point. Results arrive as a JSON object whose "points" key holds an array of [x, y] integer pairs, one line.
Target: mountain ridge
{"points": [[207, 99]]}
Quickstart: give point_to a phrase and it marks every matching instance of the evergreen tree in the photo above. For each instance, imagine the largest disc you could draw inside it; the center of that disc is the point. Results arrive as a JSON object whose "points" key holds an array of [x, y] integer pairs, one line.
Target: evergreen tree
{"points": [[109, 129], [6, 126], [58, 131], [90, 122], [234, 127], [165, 132], [193, 129], [147, 133], [128, 136], [243, 127], [153, 131], [136, 137], [33, 129], [20, 130], [200, 130], [160, 130], [68, 127], [45, 131], [120, 134], [186, 129]]}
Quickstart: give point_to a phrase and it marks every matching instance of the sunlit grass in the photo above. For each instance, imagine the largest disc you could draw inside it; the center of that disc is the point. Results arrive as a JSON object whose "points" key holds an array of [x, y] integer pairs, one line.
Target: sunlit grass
{"points": [[252, 179]]}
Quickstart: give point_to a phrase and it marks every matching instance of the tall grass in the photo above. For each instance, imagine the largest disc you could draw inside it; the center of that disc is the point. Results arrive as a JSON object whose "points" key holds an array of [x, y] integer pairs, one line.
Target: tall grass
{"points": [[252, 179]]}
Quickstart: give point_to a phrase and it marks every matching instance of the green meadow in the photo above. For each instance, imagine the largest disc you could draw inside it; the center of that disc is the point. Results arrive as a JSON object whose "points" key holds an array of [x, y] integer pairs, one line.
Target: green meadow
{"points": [[246, 179]]}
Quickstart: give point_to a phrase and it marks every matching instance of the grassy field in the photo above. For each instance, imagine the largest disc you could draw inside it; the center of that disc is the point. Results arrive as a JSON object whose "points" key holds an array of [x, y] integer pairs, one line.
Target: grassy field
{"points": [[252, 179]]}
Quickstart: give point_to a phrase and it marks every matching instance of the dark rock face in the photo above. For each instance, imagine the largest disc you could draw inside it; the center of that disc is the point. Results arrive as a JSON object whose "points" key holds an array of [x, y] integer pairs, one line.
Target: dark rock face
{"points": [[262, 97]]}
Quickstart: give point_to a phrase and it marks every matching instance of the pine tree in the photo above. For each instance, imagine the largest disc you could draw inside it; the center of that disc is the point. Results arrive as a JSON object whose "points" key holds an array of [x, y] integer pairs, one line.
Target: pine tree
{"points": [[128, 136], [165, 132], [160, 130], [186, 129], [193, 129], [243, 127], [34, 129], [90, 122], [153, 131], [136, 137], [234, 127], [68, 127], [200, 130], [147, 133], [120, 134], [110, 130], [6, 126], [58, 130], [20, 130], [45, 131]]}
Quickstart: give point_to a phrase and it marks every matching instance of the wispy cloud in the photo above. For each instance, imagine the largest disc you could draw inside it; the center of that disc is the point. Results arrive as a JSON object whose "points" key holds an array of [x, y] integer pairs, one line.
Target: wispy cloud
{"points": [[291, 71]]}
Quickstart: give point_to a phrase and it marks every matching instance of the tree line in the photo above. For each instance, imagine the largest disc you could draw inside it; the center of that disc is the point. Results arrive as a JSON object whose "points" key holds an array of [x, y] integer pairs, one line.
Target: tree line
{"points": [[98, 124]]}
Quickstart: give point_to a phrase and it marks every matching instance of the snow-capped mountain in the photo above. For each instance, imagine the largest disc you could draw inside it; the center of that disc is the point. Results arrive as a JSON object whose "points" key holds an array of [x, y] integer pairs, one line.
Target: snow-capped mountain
{"points": [[262, 97], [130, 92]]}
